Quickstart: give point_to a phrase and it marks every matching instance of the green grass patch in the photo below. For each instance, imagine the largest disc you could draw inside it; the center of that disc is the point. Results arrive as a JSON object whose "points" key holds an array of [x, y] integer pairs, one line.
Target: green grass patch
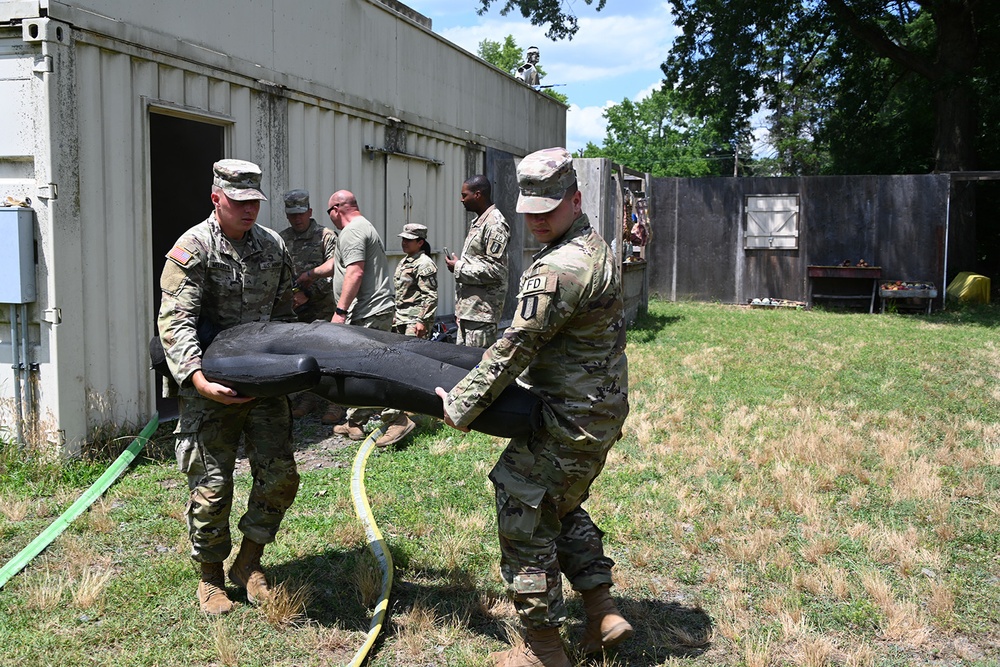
{"points": [[794, 487]]}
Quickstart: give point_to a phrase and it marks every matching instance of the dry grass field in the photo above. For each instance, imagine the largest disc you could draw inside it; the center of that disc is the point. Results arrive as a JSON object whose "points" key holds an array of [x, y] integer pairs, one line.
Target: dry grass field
{"points": [[794, 488]]}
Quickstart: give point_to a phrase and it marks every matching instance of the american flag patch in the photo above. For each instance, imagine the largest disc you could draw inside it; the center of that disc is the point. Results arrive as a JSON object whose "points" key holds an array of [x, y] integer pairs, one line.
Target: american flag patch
{"points": [[179, 255]]}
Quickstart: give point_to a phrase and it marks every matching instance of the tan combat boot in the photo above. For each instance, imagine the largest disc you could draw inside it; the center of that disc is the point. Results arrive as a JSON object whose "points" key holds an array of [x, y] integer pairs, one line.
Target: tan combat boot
{"points": [[352, 431], [396, 430], [304, 404], [542, 648], [212, 590], [606, 627], [334, 413], [247, 573]]}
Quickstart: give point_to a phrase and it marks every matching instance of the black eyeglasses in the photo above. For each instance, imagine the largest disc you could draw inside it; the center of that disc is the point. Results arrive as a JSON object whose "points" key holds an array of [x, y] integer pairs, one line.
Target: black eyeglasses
{"points": [[332, 207]]}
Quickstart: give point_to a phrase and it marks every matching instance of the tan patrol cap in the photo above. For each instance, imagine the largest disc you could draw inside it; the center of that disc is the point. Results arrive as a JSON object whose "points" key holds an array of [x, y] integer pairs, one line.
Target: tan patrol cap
{"points": [[543, 177], [414, 231], [296, 201], [239, 179]]}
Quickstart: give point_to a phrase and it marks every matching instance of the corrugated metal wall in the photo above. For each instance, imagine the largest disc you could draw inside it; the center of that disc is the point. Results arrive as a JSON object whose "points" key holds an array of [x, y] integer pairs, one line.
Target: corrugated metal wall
{"points": [[307, 116]]}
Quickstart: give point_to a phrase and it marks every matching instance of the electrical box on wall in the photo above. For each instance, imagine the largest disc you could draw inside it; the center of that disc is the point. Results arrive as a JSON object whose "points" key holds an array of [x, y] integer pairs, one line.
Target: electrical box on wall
{"points": [[17, 255]]}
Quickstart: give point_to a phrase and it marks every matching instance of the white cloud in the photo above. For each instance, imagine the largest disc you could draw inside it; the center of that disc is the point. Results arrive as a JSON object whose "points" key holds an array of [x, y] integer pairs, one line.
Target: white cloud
{"points": [[647, 91], [613, 56], [609, 50], [585, 124]]}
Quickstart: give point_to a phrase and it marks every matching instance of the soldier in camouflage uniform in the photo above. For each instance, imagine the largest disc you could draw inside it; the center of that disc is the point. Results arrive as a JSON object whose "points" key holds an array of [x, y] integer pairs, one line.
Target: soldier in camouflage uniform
{"points": [[567, 344], [220, 273], [416, 284], [309, 244], [481, 273]]}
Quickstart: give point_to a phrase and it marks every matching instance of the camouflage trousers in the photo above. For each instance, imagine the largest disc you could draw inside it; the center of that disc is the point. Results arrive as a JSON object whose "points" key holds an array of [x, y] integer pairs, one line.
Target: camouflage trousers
{"points": [[476, 334], [380, 322], [321, 308], [540, 484], [208, 434], [409, 329]]}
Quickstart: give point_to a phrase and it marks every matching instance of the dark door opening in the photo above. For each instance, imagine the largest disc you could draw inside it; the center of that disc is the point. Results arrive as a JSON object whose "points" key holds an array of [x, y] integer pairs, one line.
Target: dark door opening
{"points": [[181, 155]]}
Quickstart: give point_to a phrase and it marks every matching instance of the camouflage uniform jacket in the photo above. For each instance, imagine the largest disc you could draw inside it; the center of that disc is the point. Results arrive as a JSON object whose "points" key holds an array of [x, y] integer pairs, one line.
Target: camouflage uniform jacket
{"points": [[481, 273], [416, 290], [308, 250], [206, 281], [566, 343]]}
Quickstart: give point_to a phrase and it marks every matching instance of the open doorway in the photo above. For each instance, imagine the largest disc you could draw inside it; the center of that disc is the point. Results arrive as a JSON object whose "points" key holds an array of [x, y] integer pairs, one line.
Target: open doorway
{"points": [[181, 155]]}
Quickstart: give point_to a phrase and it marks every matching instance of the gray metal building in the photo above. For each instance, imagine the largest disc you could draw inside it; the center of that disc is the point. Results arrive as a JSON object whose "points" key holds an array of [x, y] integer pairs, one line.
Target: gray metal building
{"points": [[113, 112]]}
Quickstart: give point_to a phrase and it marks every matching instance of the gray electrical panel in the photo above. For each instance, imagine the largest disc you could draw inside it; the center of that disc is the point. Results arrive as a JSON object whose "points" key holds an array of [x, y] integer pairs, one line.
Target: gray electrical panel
{"points": [[17, 255]]}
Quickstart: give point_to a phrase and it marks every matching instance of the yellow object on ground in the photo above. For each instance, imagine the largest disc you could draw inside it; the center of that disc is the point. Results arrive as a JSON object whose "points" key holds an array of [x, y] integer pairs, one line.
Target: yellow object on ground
{"points": [[970, 287]]}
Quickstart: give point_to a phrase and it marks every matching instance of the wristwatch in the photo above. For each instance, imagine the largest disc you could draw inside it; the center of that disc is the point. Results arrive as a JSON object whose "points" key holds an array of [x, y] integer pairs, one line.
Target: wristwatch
{"points": [[340, 311]]}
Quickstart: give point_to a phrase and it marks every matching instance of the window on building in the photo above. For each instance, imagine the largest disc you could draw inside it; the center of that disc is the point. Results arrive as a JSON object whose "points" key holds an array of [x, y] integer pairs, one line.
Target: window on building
{"points": [[772, 222]]}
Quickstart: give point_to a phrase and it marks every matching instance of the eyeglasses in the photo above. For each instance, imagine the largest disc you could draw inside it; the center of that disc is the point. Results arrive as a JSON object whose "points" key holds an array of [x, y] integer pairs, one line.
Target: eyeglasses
{"points": [[334, 207]]}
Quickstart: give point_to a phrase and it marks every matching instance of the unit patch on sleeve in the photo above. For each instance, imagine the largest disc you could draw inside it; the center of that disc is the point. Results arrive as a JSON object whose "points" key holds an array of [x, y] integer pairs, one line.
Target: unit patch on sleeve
{"points": [[534, 302]]}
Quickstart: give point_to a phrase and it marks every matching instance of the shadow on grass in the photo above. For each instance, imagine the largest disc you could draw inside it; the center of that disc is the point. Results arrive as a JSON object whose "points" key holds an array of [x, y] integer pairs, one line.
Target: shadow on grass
{"points": [[663, 629], [987, 315], [648, 324], [983, 315], [329, 577]]}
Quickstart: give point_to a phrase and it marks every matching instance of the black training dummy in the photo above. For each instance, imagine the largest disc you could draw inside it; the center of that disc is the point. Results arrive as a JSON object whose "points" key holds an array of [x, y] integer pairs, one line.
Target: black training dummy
{"points": [[358, 367]]}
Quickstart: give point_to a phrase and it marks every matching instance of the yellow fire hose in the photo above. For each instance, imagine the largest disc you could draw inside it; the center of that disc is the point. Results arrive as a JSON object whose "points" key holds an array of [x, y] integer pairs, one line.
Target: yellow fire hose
{"points": [[375, 542]]}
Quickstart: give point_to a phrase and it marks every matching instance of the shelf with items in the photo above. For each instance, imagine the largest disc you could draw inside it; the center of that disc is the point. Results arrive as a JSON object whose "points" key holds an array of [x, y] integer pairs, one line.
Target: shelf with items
{"points": [[918, 294]]}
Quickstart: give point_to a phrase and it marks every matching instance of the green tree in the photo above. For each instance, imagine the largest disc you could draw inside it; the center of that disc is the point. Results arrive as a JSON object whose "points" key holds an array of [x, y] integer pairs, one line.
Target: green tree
{"points": [[653, 135], [879, 70], [562, 24], [879, 85], [508, 56]]}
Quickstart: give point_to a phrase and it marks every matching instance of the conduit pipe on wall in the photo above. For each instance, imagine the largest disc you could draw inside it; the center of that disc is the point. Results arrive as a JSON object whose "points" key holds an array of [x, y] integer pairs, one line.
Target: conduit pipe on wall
{"points": [[30, 405], [15, 362], [21, 364]]}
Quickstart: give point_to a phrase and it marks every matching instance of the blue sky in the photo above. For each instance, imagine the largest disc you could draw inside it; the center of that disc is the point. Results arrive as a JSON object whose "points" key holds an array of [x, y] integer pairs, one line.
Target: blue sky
{"points": [[615, 55]]}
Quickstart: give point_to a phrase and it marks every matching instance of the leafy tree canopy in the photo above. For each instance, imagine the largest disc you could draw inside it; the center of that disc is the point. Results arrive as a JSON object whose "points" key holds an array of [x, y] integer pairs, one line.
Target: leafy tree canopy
{"points": [[562, 24], [851, 86], [653, 135], [506, 55], [883, 85]]}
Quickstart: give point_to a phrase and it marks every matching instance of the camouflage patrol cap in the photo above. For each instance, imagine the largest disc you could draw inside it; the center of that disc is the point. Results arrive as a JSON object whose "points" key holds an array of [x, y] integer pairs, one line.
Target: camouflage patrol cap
{"points": [[414, 231], [543, 177], [239, 179], [296, 201]]}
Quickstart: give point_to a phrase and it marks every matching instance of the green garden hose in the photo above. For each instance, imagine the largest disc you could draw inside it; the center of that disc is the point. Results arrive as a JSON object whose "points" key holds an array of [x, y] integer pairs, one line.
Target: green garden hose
{"points": [[26, 555]]}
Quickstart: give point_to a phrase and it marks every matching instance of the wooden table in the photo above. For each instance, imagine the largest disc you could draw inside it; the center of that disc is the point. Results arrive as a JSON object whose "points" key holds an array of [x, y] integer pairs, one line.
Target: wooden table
{"points": [[852, 279]]}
